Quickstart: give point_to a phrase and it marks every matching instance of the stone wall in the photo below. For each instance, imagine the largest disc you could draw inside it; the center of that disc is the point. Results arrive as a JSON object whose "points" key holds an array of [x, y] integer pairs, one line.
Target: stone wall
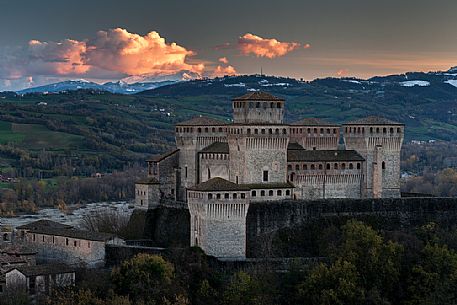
{"points": [[266, 219], [146, 195]]}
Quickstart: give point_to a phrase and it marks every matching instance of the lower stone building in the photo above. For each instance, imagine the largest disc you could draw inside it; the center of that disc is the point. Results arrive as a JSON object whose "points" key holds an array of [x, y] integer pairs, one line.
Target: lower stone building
{"points": [[39, 279], [62, 243]]}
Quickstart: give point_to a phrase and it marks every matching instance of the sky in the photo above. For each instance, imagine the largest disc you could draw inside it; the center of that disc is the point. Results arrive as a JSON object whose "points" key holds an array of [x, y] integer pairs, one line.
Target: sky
{"points": [[103, 40]]}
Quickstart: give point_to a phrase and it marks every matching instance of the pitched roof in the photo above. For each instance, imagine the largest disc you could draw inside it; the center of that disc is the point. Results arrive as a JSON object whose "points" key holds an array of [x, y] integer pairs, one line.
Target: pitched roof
{"points": [[201, 121], [219, 184], [323, 155], [148, 180], [75, 233], [44, 269], [257, 96], [294, 146], [158, 158], [43, 223], [216, 147], [373, 120], [313, 122]]}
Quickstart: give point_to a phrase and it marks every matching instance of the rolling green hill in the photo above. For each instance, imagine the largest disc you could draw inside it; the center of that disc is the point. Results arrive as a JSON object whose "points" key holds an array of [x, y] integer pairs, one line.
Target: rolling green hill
{"points": [[83, 132]]}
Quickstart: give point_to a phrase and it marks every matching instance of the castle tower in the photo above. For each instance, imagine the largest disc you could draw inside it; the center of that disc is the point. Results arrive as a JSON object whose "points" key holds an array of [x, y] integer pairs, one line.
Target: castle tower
{"points": [[379, 141], [315, 134], [258, 140], [191, 137], [218, 210]]}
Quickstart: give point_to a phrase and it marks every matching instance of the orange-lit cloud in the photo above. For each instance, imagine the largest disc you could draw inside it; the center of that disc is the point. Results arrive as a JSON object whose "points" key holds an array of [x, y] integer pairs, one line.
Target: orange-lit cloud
{"points": [[56, 58], [132, 54], [224, 60], [264, 47], [222, 71], [115, 53], [342, 72]]}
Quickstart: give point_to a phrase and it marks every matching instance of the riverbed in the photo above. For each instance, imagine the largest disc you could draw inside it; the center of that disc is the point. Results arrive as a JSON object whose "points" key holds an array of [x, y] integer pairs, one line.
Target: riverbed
{"points": [[73, 217]]}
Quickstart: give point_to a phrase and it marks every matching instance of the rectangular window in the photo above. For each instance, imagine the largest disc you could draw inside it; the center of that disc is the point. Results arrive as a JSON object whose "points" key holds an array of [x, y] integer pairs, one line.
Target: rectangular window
{"points": [[265, 176], [186, 172]]}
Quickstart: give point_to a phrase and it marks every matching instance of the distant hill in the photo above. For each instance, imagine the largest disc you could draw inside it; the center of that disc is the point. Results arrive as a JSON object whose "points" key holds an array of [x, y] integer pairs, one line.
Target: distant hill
{"points": [[91, 130]]}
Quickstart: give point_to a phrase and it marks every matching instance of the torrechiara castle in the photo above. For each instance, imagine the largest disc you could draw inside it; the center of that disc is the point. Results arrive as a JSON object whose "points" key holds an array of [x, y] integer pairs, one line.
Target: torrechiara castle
{"points": [[221, 168]]}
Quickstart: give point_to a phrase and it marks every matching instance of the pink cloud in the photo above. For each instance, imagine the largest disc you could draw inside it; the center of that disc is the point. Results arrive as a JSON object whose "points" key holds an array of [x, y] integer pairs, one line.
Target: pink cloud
{"points": [[113, 52], [342, 72], [264, 47], [224, 60], [222, 71], [132, 54]]}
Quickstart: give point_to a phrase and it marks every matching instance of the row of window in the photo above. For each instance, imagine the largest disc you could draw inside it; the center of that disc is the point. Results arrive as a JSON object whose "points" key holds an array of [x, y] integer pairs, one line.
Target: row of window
{"points": [[76, 243], [276, 131], [270, 193], [361, 130], [215, 156], [227, 196], [264, 105], [310, 131], [305, 167], [199, 129]]}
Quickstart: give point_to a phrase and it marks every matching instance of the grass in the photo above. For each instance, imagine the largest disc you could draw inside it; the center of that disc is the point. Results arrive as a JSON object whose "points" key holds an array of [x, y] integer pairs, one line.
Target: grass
{"points": [[36, 137]]}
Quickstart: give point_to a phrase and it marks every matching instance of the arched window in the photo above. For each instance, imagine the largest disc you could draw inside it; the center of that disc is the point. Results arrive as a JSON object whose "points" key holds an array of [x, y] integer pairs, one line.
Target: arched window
{"points": [[278, 105], [226, 196], [206, 129], [312, 167], [343, 166], [199, 130], [328, 165], [288, 193], [270, 193], [351, 166], [262, 193], [358, 165], [210, 196], [253, 193], [305, 167], [398, 130], [335, 166], [289, 167], [391, 130], [320, 166], [249, 130], [235, 196], [384, 130], [297, 167], [371, 129], [279, 193]]}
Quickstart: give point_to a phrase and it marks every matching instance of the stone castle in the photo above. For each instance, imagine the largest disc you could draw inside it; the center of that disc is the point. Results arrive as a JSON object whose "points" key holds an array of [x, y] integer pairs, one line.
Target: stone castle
{"points": [[219, 169]]}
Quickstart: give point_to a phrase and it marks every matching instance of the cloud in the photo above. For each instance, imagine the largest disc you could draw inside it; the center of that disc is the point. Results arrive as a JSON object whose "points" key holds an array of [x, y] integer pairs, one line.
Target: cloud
{"points": [[115, 53], [264, 47], [132, 54], [342, 72], [224, 60], [222, 71]]}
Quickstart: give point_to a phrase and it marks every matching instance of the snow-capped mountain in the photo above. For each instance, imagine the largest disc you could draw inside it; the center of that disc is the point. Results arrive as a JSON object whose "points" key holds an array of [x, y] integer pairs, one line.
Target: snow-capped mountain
{"points": [[64, 86], [154, 78]]}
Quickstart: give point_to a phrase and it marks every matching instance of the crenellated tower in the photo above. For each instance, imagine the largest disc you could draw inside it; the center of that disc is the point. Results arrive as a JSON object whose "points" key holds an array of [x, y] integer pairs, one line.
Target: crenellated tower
{"points": [[379, 141], [258, 140], [191, 137], [315, 134]]}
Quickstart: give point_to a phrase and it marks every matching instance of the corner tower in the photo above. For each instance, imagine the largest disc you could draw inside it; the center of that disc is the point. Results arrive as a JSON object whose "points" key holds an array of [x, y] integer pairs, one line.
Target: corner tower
{"points": [[379, 141], [258, 140]]}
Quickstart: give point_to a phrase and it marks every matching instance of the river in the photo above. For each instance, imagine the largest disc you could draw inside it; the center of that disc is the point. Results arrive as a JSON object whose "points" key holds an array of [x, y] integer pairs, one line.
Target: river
{"points": [[72, 218]]}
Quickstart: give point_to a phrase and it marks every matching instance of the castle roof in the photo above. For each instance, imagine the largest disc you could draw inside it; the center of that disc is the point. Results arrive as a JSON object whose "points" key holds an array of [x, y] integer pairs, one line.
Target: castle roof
{"points": [[148, 180], [201, 121], [323, 155], [373, 120], [43, 223], [50, 227], [17, 249], [216, 147], [294, 146], [257, 96], [313, 122], [44, 269], [219, 184], [158, 158]]}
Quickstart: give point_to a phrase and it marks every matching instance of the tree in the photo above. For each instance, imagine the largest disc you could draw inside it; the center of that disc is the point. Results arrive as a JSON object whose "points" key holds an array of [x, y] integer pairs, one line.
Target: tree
{"points": [[244, 289], [144, 277], [433, 280]]}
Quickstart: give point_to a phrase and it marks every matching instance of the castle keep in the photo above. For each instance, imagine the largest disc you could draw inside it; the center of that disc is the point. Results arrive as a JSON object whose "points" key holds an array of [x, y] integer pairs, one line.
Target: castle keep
{"points": [[220, 168]]}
